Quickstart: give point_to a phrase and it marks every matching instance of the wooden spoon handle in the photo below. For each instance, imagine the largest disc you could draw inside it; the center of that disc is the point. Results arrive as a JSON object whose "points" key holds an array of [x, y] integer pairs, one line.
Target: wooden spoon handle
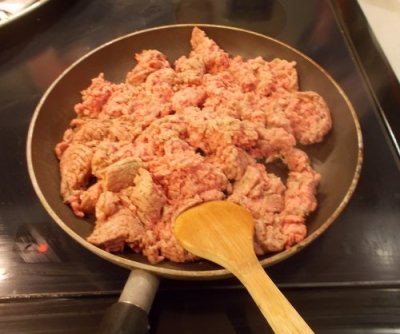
{"points": [[280, 314]]}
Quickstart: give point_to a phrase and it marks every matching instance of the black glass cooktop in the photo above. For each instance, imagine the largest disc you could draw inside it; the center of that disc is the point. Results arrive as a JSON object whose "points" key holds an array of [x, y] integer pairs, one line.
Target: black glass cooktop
{"points": [[347, 281]]}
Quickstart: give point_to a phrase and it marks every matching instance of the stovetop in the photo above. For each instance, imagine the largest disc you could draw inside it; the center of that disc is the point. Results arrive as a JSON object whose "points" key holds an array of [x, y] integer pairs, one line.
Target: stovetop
{"points": [[353, 268]]}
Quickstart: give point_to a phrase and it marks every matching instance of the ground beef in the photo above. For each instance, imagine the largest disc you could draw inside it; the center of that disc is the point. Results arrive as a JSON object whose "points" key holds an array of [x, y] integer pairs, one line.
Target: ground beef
{"points": [[171, 136]]}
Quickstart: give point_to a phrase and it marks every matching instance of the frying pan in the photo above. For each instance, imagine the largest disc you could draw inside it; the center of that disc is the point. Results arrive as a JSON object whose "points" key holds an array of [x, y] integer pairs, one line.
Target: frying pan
{"points": [[338, 159]]}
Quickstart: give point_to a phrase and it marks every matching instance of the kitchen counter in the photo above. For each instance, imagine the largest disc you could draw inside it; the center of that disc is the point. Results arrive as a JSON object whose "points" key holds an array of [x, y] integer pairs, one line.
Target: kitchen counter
{"points": [[384, 21], [347, 281]]}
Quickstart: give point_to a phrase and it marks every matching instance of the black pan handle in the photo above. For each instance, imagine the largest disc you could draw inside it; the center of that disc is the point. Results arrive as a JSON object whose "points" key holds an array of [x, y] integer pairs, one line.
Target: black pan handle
{"points": [[129, 314], [124, 318]]}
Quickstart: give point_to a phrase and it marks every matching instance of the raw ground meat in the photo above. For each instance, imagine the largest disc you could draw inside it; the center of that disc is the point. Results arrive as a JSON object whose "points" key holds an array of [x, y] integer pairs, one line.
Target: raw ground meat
{"points": [[171, 136]]}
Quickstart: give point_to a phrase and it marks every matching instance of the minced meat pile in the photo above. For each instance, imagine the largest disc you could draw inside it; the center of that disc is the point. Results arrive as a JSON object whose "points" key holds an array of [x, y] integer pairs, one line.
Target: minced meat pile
{"points": [[174, 135]]}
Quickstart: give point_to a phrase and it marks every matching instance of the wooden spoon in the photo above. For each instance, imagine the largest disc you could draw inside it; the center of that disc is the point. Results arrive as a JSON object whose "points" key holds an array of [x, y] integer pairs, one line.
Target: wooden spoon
{"points": [[222, 232]]}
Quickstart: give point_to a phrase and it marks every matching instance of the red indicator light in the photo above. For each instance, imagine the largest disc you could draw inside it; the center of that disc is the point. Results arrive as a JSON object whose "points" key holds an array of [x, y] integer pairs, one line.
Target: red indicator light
{"points": [[43, 247]]}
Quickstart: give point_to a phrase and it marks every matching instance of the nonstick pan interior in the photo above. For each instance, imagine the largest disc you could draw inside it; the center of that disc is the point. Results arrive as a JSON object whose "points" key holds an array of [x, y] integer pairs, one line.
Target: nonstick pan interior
{"points": [[338, 158]]}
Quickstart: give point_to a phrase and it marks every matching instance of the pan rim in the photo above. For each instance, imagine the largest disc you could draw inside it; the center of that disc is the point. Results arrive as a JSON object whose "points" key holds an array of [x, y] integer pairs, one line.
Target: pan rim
{"points": [[193, 274]]}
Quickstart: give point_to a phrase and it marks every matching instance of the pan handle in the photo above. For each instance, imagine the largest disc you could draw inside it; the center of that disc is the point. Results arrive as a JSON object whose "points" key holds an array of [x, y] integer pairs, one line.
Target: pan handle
{"points": [[129, 314]]}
